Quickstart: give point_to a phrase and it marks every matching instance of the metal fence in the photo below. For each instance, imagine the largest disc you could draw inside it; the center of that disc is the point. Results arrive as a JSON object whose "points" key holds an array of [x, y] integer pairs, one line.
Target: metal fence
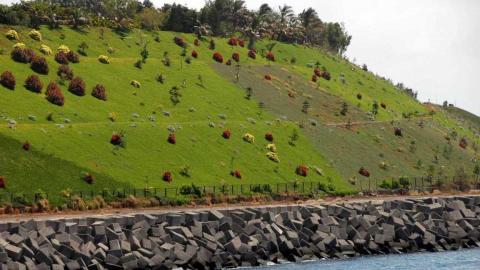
{"points": [[419, 183]]}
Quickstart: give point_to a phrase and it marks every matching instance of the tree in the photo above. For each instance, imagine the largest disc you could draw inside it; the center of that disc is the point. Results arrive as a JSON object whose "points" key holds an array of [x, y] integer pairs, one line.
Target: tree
{"points": [[445, 104], [375, 108], [144, 53], [476, 169]]}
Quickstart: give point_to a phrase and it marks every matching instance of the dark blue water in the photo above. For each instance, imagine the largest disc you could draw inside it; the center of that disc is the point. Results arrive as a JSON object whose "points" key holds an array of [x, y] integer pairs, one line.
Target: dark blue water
{"points": [[468, 259]]}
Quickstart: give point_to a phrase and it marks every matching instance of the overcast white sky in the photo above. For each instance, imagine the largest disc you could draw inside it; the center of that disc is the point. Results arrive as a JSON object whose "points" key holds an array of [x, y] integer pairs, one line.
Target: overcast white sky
{"points": [[432, 46]]}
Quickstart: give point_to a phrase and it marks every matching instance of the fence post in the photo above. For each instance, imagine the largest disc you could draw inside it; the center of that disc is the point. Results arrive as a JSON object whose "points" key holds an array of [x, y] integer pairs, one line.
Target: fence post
{"points": [[278, 190], [165, 192], [303, 187], [369, 185], [232, 189], [241, 188]]}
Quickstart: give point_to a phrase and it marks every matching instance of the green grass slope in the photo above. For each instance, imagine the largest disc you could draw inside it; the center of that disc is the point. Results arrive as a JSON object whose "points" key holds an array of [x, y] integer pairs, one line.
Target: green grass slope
{"points": [[81, 130]]}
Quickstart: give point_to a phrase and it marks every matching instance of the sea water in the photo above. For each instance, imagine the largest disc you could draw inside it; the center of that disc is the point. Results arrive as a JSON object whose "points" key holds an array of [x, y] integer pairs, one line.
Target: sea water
{"points": [[467, 259]]}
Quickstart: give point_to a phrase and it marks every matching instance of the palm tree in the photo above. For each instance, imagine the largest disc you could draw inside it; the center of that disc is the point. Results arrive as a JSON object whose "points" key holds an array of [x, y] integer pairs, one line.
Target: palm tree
{"points": [[286, 13]]}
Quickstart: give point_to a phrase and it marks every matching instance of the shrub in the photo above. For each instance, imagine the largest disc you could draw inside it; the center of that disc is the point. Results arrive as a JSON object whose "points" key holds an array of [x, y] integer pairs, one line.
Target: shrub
{"points": [[236, 174], [463, 143], [270, 56], [196, 42], [179, 41], [226, 134], [268, 77], [317, 72], [65, 72], [167, 177], [19, 46], [364, 172], [12, 35], [212, 45], [249, 138], [229, 62], [326, 75], [34, 34], [269, 137], [7, 79], [54, 94], [39, 64], [135, 84], [314, 78], [34, 84], [88, 178], [63, 48], [194, 54], [61, 58], [252, 54], [383, 105], [273, 157], [404, 182], [233, 41], [172, 139], [385, 185], [398, 132], [302, 170], [45, 50], [191, 190], [2, 182], [22, 55], [73, 57], [138, 64], [272, 147], [359, 96], [104, 59], [77, 86], [99, 92], [241, 42], [116, 140], [236, 57], [26, 146], [218, 57]]}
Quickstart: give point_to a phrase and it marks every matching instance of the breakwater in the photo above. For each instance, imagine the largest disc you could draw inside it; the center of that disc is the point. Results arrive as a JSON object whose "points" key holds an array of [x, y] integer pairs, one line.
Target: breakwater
{"points": [[242, 237]]}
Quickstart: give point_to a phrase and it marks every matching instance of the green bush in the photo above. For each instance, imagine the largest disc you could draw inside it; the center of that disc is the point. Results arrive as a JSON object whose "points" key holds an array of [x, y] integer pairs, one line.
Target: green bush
{"points": [[191, 190]]}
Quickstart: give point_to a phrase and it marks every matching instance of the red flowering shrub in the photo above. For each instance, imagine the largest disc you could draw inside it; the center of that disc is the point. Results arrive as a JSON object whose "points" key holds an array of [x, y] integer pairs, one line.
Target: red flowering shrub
{"points": [[34, 84], [196, 42], [383, 105], [326, 75], [22, 55], [317, 72], [89, 178], [218, 57], [269, 137], [65, 72], [302, 170], [463, 143], [7, 79], [359, 96], [116, 139], [2, 182], [270, 56], [73, 57], [236, 57], [26, 146], [241, 42], [172, 138], [236, 174], [167, 177], [39, 64], [268, 77], [194, 54], [314, 78], [179, 41], [61, 58], [233, 41], [229, 62], [99, 92], [54, 94], [398, 132], [226, 134], [252, 54], [364, 172], [77, 86]]}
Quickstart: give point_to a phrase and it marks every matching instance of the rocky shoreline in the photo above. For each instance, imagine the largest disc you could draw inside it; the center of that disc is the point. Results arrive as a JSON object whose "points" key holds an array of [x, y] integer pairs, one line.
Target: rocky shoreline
{"points": [[217, 239]]}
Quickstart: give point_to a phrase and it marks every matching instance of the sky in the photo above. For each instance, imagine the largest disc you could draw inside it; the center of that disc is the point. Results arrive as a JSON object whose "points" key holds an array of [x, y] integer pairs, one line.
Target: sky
{"points": [[432, 46]]}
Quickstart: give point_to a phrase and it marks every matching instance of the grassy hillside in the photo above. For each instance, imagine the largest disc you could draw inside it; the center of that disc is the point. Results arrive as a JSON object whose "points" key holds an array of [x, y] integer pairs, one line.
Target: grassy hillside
{"points": [[75, 139]]}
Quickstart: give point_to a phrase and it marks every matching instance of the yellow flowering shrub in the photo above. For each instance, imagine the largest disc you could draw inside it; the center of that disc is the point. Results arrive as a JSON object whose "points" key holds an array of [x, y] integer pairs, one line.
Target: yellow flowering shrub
{"points": [[34, 34], [12, 35], [249, 138]]}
